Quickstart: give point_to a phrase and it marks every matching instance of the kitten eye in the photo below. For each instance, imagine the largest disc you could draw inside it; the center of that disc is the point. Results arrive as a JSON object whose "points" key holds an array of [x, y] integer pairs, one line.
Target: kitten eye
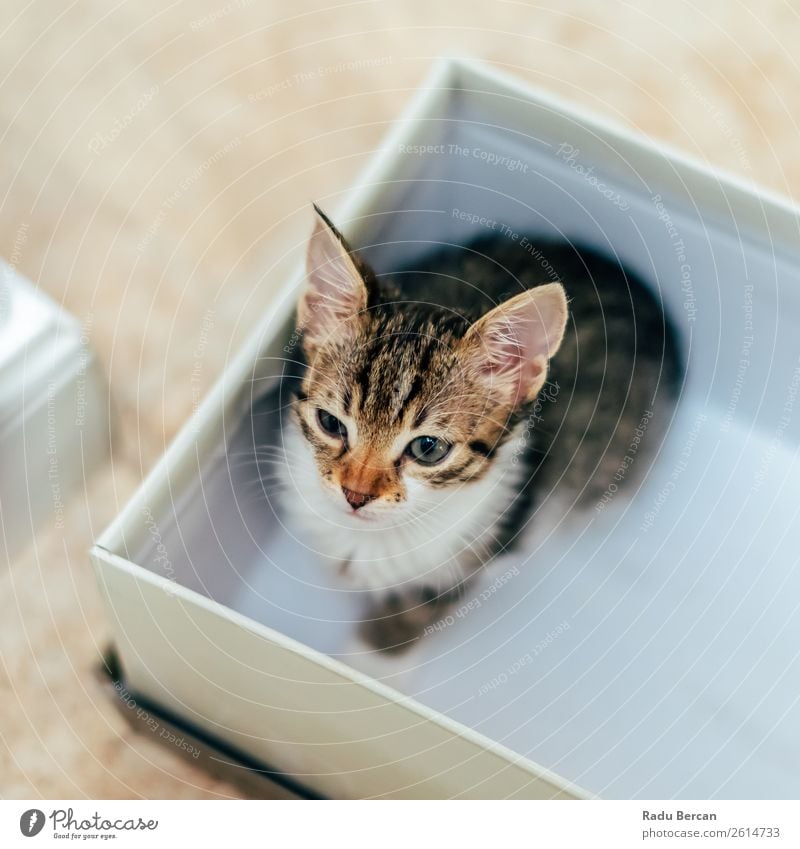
{"points": [[428, 450], [330, 424]]}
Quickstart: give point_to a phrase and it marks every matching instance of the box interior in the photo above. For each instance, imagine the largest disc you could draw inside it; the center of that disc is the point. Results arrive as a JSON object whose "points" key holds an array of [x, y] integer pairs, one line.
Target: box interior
{"points": [[649, 650]]}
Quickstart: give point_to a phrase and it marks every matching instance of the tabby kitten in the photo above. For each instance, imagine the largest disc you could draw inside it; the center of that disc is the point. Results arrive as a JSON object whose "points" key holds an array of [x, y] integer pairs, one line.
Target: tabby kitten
{"points": [[429, 414]]}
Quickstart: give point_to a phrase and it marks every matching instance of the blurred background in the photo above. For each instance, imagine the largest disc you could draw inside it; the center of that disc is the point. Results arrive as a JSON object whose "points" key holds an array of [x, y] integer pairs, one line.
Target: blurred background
{"points": [[158, 163]]}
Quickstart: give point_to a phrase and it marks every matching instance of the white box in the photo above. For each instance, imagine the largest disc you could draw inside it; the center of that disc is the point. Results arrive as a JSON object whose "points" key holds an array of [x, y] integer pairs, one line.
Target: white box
{"points": [[649, 649], [53, 411]]}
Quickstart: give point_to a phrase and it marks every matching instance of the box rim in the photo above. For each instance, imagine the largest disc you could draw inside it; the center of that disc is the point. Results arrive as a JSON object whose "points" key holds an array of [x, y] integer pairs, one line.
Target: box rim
{"points": [[338, 668], [690, 168]]}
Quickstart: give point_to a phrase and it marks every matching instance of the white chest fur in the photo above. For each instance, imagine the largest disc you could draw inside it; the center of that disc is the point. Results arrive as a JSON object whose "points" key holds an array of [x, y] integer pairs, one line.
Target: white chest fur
{"points": [[427, 540]]}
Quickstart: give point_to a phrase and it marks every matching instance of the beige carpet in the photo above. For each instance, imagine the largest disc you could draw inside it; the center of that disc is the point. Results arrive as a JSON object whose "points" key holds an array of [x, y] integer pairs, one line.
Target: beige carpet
{"points": [[157, 164]]}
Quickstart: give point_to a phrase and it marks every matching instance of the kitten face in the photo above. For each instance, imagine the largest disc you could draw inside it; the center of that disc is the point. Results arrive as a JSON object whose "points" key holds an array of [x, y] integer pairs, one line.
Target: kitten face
{"points": [[401, 403], [392, 414]]}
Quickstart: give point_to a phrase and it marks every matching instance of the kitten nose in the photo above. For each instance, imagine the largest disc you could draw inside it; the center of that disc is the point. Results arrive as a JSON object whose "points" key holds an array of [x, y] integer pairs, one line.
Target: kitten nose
{"points": [[357, 499]]}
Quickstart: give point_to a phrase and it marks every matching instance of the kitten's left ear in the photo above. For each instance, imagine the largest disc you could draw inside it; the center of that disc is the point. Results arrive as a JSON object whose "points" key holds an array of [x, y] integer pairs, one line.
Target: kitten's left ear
{"points": [[335, 290], [510, 346]]}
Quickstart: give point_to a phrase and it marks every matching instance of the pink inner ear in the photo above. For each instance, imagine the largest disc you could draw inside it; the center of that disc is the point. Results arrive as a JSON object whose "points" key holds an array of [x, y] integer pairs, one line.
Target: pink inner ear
{"points": [[330, 306], [503, 343], [517, 338], [512, 361]]}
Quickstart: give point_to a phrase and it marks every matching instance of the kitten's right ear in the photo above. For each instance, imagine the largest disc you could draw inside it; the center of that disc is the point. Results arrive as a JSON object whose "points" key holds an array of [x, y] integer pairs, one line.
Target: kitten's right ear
{"points": [[335, 291]]}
